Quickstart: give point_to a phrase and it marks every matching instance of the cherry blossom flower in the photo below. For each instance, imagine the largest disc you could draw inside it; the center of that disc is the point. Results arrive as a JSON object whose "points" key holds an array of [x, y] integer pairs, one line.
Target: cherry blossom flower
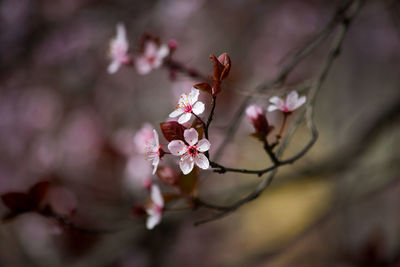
{"points": [[156, 207], [190, 154], [291, 103], [187, 104], [152, 57], [154, 151], [119, 50]]}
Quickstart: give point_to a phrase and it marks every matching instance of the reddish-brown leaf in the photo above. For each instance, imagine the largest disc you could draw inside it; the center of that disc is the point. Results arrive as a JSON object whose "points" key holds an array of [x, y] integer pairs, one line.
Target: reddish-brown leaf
{"points": [[38, 192], [172, 130], [18, 202], [205, 87]]}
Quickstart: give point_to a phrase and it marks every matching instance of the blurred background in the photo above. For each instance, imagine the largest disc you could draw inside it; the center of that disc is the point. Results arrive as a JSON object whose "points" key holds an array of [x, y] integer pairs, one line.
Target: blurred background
{"points": [[64, 118]]}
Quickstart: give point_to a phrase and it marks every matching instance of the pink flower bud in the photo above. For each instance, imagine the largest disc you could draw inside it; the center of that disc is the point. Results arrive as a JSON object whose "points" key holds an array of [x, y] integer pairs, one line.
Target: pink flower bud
{"points": [[258, 119]]}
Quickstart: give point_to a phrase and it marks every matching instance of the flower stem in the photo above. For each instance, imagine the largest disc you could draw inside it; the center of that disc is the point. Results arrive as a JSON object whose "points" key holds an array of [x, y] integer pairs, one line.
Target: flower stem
{"points": [[279, 135]]}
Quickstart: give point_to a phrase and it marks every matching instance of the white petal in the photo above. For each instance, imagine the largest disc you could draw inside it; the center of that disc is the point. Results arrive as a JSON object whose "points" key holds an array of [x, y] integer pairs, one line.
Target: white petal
{"points": [[153, 220], [203, 145], [272, 108], [121, 36], [156, 196], [176, 113], [177, 147], [202, 161], [142, 66], [163, 51], [186, 164], [184, 118], [277, 101], [156, 142], [155, 163], [291, 100], [113, 67], [191, 136], [300, 102], [198, 108], [193, 95]]}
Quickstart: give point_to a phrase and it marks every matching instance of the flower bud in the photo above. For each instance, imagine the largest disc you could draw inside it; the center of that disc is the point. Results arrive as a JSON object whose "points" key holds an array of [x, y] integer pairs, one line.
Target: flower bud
{"points": [[258, 119]]}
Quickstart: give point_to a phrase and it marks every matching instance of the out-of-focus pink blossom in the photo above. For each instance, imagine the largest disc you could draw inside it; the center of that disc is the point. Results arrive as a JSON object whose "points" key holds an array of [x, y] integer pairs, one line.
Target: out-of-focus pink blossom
{"points": [[155, 209], [144, 135], [190, 154], [119, 50], [152, 57], [253, 111], [138, 172], [186, 105], [288, 105]]}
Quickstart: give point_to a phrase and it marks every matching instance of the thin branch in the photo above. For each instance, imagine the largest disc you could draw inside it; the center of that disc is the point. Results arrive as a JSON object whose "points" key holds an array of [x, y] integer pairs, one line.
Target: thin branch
{"points": [[177, 66], [332, 55], [280, 78]]}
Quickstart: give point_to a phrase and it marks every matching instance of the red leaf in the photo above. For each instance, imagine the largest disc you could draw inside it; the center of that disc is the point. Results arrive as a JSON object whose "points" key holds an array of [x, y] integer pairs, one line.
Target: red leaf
{"points": [[18, 202], [172, 130], [225, 60], [38, 192], [205, 87]]}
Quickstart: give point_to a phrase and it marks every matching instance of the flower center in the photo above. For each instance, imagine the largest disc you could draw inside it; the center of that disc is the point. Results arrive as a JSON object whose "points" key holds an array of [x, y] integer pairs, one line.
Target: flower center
{"points": [[151, 59], [188, 108], [158, 208], [192, 150]]}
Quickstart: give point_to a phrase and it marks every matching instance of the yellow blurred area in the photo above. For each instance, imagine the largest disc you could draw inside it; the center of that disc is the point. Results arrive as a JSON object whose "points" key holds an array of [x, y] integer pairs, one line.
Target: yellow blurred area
{"points": [[278, 216]]}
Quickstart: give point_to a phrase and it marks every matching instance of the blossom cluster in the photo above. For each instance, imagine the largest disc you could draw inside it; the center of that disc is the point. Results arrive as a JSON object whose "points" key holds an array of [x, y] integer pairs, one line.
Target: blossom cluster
{"points": [[185, 138], [150, 57]]}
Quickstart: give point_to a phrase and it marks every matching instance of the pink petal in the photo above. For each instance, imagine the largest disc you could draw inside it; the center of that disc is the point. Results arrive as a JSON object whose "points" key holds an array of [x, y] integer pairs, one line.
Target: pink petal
{"points": [[198, 108], [186, 164], [202, 161], [184, 118], [177, 147], [142, 66], [191, 136], [193, 95], [253, 111], [203, 145], [291, 100], [150, 49], [156, 196], [176, 113]]}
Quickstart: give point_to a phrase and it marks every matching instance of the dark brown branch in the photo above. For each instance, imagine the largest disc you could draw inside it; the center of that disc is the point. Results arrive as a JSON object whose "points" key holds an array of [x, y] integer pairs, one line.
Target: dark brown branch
{"points": [[280, 78], [332, 55]]}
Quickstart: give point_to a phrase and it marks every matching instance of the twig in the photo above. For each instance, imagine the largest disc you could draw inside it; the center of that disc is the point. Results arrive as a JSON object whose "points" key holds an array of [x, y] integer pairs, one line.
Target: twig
{"points": [[174, 65], [280, 78], [332, 55]]}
